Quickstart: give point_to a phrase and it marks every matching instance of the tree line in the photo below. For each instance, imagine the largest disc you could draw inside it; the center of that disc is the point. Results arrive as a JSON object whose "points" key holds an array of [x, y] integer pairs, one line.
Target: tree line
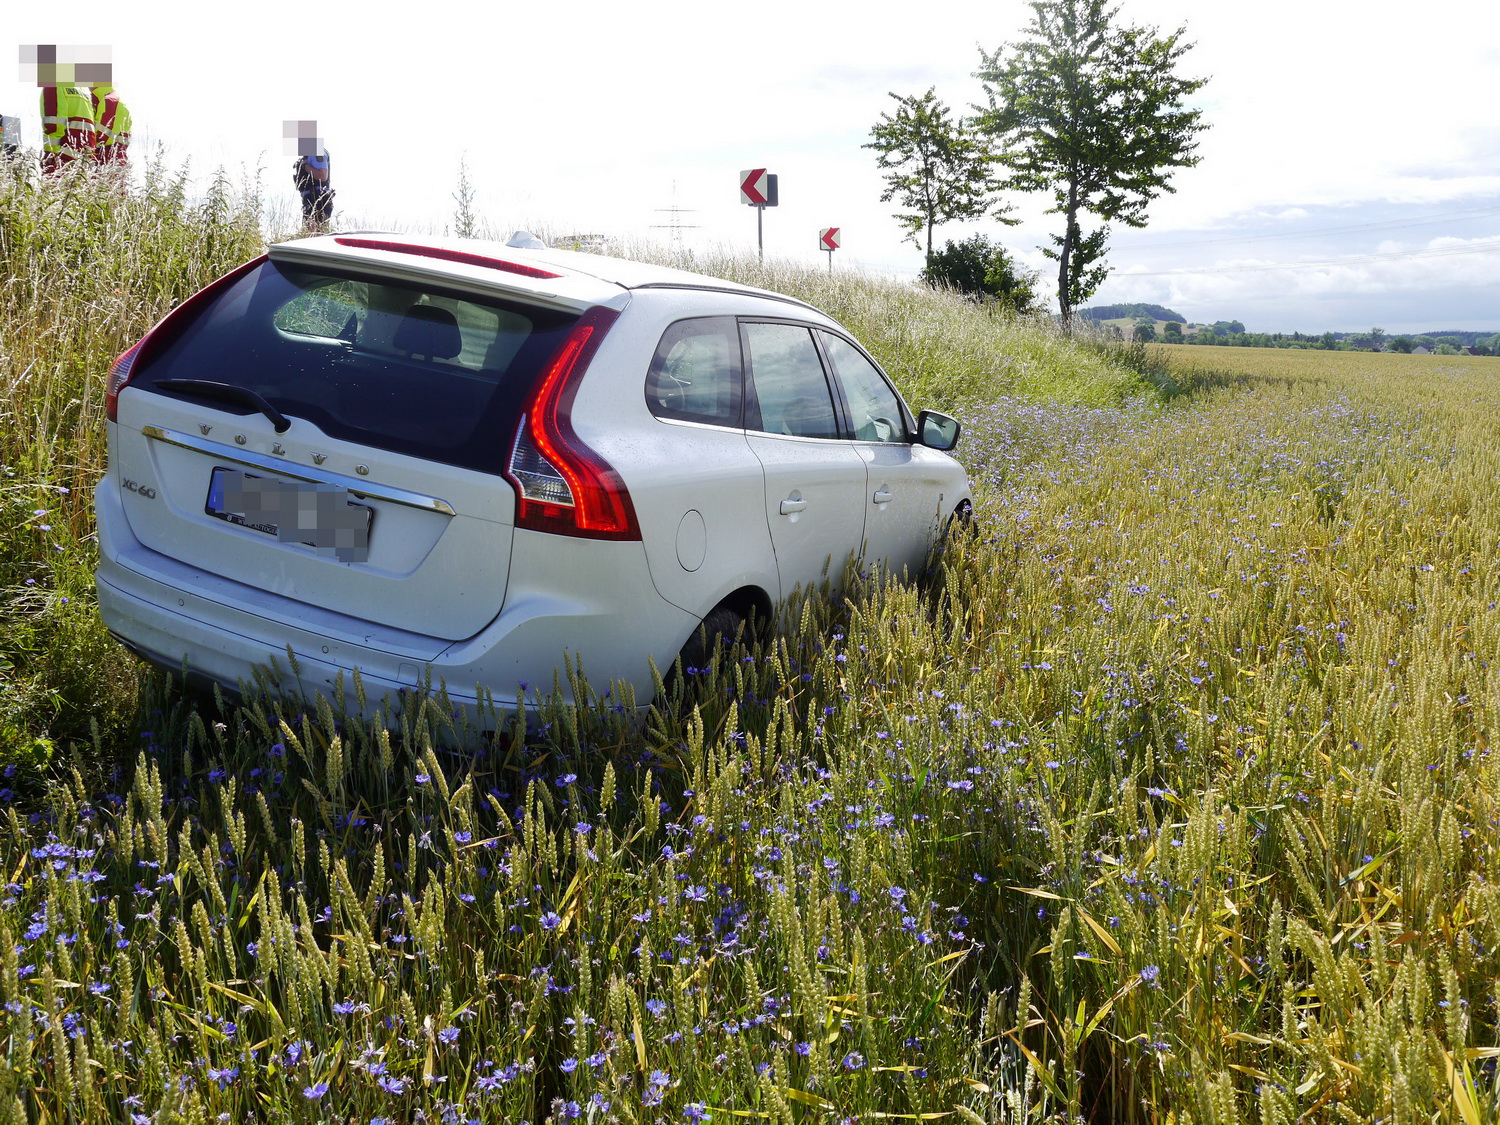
{"points": [[1232, 334], [1084, 108]]}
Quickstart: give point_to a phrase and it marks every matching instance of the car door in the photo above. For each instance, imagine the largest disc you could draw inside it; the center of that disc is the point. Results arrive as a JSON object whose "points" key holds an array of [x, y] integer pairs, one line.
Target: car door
{"points": [[904, 481], [696, 479], [814, 478]]}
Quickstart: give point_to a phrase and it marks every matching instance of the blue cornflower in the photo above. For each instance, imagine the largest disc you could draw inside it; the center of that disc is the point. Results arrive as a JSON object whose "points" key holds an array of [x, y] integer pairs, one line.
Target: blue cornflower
{"points": [[551, 920], [853, 1061], [313, 1093], [1149, 975]]}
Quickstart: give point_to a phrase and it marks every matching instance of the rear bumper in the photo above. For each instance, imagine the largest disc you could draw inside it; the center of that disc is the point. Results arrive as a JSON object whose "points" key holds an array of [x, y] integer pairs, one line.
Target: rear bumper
{"points": [[591, 600]]}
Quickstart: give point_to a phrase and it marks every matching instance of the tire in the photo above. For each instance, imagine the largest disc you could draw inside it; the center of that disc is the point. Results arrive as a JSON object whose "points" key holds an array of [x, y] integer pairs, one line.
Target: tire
{"points": [[960, 523], [721, 627]]}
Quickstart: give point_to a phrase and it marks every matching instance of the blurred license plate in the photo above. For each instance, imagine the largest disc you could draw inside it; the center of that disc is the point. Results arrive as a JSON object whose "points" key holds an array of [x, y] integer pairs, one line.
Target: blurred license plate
{"points": [[321, 516]]}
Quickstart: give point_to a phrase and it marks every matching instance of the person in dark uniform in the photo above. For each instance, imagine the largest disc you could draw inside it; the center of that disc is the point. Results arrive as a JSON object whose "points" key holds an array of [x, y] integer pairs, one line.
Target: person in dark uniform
{"points": [[313, 179]]}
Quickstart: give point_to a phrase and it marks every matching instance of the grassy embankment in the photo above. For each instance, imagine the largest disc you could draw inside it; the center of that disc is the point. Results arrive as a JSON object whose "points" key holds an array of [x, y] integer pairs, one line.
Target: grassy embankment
{"points": [[1169, 797]]}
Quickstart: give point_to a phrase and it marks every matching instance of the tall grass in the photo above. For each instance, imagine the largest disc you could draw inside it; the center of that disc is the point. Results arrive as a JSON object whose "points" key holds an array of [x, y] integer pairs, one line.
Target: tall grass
{"points": [[1167, 796], [86, 267]]}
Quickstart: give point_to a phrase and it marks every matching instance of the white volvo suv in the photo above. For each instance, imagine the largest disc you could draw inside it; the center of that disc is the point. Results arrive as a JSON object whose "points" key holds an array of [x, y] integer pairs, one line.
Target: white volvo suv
{"points": [[425, 457]]}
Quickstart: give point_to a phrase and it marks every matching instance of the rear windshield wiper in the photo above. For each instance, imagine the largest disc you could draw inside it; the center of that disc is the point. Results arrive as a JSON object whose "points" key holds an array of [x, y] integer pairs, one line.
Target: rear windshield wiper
{"points": [[227, 392]]}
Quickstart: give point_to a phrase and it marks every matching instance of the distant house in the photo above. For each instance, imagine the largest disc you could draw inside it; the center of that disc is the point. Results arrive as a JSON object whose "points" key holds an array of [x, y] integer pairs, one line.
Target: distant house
{"points": [[1421, 349], [1470, 350]]}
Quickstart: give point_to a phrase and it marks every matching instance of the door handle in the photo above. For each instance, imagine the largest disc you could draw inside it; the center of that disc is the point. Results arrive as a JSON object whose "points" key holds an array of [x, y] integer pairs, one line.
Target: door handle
{"points": [[883, 496], [791, 507]]}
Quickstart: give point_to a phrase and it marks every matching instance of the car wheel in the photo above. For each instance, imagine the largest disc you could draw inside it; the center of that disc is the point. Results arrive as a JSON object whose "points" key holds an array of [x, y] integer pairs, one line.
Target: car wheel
{"points": [[721, 627], [961, 522]]}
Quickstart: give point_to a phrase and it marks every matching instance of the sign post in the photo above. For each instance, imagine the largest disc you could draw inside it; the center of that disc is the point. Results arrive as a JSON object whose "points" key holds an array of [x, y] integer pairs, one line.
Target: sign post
{"points": [[829, 239], [758, 188]]}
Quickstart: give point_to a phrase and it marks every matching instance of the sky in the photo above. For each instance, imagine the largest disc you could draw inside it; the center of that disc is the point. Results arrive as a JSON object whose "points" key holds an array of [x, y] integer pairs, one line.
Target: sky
{"points": [[1349, 178]]}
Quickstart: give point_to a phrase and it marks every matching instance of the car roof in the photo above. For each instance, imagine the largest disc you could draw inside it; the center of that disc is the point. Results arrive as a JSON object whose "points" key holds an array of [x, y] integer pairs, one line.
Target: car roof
{"points": [[568, 278]]}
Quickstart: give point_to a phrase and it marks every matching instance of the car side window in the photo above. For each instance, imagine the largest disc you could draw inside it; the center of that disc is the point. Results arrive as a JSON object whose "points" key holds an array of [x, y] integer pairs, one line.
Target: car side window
{"points": [[874, 409], [695, 374], [789, 392]]}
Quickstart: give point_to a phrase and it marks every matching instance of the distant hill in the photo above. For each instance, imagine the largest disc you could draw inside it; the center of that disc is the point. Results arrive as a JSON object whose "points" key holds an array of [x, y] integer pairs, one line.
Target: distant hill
{"points": [[1132, 312]]}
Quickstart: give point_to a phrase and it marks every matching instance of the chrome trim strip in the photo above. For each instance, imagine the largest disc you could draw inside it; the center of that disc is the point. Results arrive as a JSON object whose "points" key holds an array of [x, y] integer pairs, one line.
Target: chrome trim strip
{"points": [[281, 466]]}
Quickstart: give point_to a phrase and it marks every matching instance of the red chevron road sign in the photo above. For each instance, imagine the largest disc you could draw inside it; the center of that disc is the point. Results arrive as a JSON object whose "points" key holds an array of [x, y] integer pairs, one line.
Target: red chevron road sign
{"points": [[758, 187]]}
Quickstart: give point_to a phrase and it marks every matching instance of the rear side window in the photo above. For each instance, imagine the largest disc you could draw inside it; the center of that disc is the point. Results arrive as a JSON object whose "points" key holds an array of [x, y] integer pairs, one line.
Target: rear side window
{"points": [[390, 364], [695, 374], [789, 390]]}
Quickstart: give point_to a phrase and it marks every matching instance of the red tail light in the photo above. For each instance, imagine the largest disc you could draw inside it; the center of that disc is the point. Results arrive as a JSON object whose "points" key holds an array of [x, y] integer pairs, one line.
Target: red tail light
{"points": [[562, 486], [119, 371], [119, 375]]}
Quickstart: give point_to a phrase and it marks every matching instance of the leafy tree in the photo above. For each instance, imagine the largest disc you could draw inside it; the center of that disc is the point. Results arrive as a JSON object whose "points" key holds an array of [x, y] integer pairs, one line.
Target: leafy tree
{"points": [[1145, 330], [1228, 328], [1091, 111], [1401, 344], [1171, 331], [1131, 309], [934, 166], [978, 267]]}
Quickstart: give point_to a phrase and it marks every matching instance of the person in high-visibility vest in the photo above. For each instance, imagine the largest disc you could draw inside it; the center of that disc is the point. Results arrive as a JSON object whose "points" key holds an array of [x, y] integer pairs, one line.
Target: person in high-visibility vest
{"points": [[67, 126], [111, 126]]}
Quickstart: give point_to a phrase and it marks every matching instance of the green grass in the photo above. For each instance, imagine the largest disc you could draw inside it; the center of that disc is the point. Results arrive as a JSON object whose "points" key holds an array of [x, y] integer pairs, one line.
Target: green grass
{"points": [[85, 270], [1167, 796]]}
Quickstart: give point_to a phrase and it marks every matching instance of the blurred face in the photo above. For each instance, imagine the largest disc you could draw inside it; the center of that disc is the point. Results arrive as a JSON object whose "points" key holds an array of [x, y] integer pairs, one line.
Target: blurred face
{"points": [[48, 64]]}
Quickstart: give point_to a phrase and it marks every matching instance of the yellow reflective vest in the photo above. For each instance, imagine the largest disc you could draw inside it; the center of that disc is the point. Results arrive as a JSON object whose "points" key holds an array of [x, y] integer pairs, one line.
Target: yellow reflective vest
{"points": [[111, 126], [67, 126]]}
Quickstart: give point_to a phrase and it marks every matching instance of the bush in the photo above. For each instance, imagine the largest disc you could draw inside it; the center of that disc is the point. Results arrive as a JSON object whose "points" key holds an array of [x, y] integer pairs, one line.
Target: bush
{"points": [[983, 270]]}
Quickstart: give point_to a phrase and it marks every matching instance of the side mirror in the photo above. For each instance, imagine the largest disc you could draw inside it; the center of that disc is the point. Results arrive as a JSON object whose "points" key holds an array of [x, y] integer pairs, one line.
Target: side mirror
{"points": [[937, 431]]}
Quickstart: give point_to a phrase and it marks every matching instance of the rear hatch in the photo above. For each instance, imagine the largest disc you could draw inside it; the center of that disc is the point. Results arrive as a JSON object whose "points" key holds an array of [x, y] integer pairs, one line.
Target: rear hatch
{"points": [[338, 435]]}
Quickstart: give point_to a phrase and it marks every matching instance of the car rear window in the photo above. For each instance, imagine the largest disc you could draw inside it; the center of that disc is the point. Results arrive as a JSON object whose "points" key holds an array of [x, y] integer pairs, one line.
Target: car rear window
{"points": [[391, 364]]}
